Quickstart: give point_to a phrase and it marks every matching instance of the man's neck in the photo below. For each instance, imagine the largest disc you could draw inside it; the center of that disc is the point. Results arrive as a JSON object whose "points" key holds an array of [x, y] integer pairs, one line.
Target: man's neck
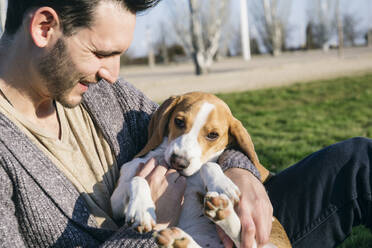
{"points": [[19, 84]]}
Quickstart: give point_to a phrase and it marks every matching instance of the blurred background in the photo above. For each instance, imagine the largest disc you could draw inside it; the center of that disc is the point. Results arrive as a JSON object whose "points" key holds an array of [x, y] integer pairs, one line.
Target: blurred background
{"points": [[240, 45], [274, 25], [297, 73]]}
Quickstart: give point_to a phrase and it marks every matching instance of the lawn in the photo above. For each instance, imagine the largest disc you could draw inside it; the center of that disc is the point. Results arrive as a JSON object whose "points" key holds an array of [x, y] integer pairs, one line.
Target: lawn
{"points": [[289, 123]]}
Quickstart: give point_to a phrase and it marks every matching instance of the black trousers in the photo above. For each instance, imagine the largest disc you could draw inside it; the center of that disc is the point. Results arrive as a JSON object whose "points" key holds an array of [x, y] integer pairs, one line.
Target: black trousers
{"points": [[321, 198]]}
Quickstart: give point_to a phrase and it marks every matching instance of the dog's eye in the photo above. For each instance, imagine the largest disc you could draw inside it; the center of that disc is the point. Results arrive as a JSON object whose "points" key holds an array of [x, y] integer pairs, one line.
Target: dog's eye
{"points": [[212, 136], [179, 123]]}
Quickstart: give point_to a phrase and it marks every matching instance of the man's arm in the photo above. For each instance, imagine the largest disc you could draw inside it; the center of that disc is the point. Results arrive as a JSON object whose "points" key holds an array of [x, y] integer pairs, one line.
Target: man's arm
{"points": [[9, 229], [129, 238], [231, 158], [255, 209]]}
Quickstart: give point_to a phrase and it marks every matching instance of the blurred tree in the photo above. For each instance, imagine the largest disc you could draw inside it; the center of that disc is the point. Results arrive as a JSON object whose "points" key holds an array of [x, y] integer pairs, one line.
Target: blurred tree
{"points": [[369, 38], [150, 48], [205, 42], [271, 22], [180, 20], [322, 17], [321, 36], [274, 26], [175, 52], [340, 29], [236, 42], [161, 46], [310, 43], [199, 30], [351, 31]]}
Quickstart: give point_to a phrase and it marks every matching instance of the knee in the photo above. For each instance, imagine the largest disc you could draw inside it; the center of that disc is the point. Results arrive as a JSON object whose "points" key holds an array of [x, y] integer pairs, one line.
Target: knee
{"points": [[359, 143], [357, 148]]}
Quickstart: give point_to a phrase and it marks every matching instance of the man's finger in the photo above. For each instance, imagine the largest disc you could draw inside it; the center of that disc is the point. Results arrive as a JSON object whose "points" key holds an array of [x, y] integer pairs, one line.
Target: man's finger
{"points": [[145, 169], [139, 168], [263, 229], [262, 219], [158, 172], [172, 175], [226, 241], [248, 231]]}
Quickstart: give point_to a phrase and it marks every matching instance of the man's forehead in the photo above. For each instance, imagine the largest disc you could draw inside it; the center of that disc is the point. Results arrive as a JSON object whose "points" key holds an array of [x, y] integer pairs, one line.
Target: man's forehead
{"points": [[113, 28]]}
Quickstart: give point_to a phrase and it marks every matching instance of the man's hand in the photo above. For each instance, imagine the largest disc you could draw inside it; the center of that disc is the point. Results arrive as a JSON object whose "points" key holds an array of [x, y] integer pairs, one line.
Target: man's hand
{"points": [[167, 189], [254, 209]]}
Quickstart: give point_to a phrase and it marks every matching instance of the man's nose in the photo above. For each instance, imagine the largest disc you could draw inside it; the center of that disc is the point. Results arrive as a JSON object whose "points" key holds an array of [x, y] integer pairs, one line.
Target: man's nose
{"points": [[110, 68]]}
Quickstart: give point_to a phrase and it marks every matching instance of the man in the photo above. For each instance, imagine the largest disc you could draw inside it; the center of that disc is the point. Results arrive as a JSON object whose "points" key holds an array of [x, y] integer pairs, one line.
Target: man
{"points": [[60, 151], [64, 136]]}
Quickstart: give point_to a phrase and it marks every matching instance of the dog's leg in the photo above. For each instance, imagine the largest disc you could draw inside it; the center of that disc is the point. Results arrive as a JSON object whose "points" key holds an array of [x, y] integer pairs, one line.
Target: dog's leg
{"points": [[174, 237], [132, 196], [219, 209], [120, 196], [222, 195], [132, 199], [141, 209], [216, 181]]}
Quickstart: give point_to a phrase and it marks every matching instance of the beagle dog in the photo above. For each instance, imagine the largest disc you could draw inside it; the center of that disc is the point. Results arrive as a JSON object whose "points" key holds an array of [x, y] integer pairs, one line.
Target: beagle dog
{"points": [[190, 132]]}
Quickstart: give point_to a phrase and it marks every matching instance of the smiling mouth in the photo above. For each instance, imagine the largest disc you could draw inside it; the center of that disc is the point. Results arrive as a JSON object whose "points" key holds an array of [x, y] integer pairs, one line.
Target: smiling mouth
{"points": [[84, 83], [84, 86]]}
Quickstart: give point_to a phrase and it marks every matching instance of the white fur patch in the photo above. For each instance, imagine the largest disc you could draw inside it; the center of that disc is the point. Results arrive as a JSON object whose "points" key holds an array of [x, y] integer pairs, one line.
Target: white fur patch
{"points": [[187, 145], [122, 194], [215, 180]]}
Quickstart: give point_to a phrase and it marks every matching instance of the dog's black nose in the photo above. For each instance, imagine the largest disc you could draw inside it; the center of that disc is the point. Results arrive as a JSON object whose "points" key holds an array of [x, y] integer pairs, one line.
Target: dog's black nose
{"points": [[178, 162]]}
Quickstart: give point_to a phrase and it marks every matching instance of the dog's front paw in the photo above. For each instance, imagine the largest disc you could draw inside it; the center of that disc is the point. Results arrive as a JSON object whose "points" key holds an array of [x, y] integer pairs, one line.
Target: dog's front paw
{"points": [[227, 187], [174, 237], [139, 216], [217, 206], [140, 213], [216, 181], [140, 220]]}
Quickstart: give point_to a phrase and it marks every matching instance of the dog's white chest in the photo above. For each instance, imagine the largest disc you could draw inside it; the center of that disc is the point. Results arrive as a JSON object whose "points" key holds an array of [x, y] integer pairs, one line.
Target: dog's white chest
{"points": [[192, 219]]}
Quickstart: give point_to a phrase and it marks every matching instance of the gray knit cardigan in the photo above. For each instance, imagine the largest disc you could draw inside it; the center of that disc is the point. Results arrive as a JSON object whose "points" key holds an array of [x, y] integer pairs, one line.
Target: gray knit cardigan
{"points": [[39, 207]]}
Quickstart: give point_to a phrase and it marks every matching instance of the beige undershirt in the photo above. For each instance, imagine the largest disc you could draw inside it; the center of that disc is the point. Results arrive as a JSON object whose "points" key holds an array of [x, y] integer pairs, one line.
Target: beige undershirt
{"points": [[82, 154]]}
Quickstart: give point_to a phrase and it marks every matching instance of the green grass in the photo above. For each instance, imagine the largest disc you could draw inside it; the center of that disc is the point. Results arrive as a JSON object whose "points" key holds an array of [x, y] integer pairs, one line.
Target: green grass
{"points": [[289, 123]]}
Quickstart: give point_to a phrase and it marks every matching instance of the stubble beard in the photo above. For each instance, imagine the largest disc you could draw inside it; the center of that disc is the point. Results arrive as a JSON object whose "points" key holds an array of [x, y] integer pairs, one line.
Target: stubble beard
{"points": [[59, 73]]}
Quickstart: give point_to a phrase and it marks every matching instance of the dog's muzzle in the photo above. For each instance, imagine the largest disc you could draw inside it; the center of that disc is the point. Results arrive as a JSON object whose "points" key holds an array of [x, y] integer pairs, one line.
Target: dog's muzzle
{"points": [[178, 162]]}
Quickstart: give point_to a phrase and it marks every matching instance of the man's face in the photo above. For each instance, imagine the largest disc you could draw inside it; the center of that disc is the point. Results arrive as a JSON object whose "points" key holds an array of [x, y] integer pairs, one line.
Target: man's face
{"points": [[92, 53]]}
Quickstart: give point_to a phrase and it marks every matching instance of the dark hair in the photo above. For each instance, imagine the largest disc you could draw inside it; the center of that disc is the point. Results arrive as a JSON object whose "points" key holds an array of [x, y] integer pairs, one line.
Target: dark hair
{"points": [[72, 13]]}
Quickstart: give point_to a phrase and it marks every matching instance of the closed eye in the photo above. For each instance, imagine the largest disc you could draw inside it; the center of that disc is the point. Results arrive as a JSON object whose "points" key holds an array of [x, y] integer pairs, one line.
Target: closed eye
{"points": [[103, 54], [212, 136]]}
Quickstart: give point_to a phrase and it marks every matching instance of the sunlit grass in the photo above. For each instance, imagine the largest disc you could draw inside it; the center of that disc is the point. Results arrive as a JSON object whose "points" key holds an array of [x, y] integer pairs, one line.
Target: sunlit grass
{"points": [[289, 123]]}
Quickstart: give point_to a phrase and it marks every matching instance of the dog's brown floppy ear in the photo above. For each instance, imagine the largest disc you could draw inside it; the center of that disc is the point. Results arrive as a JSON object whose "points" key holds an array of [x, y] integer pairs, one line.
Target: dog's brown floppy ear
{"points": [[244, 141], [158, 124]]}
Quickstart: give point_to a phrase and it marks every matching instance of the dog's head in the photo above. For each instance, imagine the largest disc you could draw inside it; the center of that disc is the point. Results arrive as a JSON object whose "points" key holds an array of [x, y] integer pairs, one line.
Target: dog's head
{"points": [[199, 126]]}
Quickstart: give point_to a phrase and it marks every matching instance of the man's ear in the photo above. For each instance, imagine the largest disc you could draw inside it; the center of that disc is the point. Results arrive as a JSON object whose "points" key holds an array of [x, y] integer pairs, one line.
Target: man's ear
{"points": [[44, 24]]}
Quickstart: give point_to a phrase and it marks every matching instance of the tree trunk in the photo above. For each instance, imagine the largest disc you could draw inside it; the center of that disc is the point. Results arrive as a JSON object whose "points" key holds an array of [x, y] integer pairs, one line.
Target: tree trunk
{"points": [[274, 26], [204, 50], [196, 37], [369, 38], [340, 30], [150, 46]]}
